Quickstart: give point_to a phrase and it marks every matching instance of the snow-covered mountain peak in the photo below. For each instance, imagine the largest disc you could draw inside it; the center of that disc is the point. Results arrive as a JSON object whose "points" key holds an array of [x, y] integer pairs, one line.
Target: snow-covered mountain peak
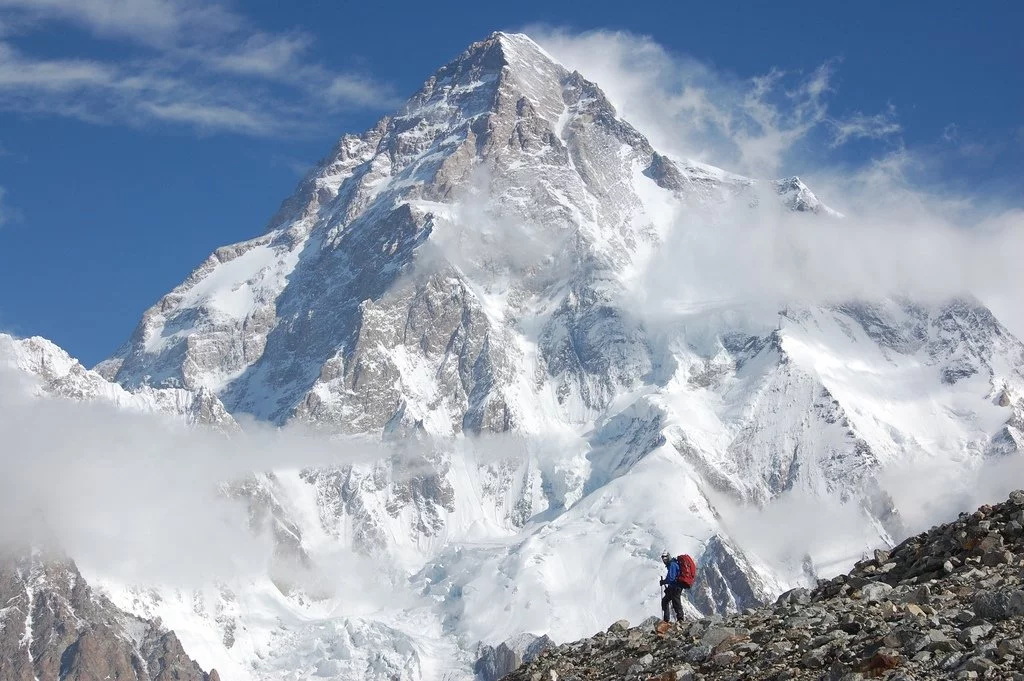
{"points": [[499, 50], [54, 373], [798, 197], [473, 78], [36, 355], [543, 148]]}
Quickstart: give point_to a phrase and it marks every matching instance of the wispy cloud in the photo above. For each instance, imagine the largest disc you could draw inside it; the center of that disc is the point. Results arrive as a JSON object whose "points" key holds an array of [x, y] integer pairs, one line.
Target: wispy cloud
{"points": [[107, 93], [864, 126], [146, 21], [690, 109], [56, 75], [76, 481], [194, 63], [4, 210]]}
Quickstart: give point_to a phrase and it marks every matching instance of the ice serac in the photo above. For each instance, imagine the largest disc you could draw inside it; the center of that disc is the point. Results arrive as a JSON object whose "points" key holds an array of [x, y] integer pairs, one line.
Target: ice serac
{"points": [[455, 281], [54, 626]]}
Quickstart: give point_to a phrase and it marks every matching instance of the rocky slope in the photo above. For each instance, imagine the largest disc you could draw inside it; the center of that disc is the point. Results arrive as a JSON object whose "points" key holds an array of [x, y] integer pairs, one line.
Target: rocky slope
{"points": [[945, 604], [54, 627]]}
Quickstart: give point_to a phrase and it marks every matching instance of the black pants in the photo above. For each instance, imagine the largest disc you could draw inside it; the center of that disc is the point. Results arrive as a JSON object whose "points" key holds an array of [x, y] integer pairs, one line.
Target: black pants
{"points": [[673, 596]]}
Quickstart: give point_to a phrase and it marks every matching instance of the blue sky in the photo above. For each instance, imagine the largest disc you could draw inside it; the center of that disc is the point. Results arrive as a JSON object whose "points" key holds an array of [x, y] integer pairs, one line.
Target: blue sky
{"points": [[138, 135]]}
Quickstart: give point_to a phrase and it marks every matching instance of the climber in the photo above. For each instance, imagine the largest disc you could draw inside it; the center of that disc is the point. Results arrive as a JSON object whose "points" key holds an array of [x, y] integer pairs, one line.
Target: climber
{"points": [[682, 574], [673, 588]]}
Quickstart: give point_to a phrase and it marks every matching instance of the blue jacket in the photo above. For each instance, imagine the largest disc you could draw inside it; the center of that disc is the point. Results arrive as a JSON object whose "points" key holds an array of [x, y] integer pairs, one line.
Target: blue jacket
{"points": [[673, 572]]}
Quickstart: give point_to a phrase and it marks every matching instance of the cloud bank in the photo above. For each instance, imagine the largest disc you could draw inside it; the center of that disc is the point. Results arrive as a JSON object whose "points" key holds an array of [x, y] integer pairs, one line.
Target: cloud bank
{"points": [[134, 492], [730, 255]]}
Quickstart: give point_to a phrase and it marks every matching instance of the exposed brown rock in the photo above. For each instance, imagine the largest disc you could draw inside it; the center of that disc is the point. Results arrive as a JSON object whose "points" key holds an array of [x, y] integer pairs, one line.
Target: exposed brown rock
{"points": [[54, 627]]}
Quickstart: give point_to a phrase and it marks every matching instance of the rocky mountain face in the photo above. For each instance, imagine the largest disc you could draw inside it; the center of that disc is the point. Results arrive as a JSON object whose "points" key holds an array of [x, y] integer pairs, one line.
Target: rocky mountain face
{"points": [[53, 626], [944, 604], [346, 314], [460, 283]]}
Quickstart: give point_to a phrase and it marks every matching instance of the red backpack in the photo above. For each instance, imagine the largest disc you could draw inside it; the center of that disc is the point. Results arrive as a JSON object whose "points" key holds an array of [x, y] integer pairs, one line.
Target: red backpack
{"points": [[687, 571]]}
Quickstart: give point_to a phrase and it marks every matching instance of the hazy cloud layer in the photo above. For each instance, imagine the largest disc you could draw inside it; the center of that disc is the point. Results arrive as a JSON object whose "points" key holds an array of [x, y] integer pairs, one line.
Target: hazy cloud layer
{"points": [[134, 492], [198, 64], [892, 243], [833, 534]]}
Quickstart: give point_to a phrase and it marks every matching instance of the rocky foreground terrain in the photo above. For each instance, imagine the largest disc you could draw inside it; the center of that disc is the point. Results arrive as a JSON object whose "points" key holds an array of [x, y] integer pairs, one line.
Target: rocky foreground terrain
{"points": [[944, 604]]}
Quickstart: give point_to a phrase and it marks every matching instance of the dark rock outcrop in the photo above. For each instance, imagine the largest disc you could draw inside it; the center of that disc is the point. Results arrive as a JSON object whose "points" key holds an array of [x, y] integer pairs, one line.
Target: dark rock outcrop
{"points": [[494, 662]]}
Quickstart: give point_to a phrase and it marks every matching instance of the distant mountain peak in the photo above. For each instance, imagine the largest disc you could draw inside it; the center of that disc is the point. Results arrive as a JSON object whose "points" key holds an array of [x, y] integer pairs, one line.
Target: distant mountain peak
{"points": [[798, 197]]}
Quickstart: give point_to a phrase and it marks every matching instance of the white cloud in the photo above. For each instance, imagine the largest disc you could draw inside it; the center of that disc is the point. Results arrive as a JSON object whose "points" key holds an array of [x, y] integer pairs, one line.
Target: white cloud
{"points": [[896, 240], [832, 534], [934, 493], [106, 93], [265, 55], [692, 110], [213, 116], [356, 90], [8, 213], [198, 64], [145, 21], [127, 494], [55, 75]]}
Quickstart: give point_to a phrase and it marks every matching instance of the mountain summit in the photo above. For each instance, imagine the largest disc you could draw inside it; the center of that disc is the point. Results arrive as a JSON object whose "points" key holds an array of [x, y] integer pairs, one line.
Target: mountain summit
{"points": [[280, 326], [460, 278]]}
